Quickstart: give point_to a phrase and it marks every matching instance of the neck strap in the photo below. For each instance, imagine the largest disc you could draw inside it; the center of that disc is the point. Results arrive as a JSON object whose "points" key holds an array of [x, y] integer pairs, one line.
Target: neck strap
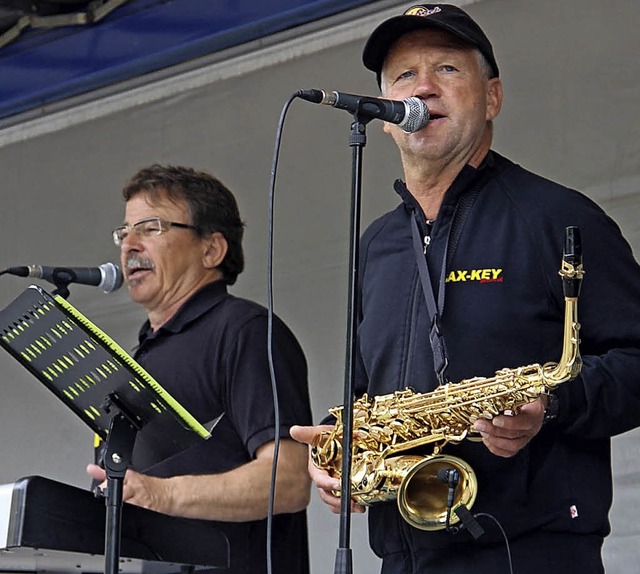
{"points": [[436, 308]]}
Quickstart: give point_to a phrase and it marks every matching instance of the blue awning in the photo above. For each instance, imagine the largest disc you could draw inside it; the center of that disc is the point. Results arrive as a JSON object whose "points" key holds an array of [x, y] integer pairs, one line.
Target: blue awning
{"points": [[142, 36]]}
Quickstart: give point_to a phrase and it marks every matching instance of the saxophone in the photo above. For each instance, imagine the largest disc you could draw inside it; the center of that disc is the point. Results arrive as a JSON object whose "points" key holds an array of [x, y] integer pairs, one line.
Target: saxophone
{"points": [[386, 425]]}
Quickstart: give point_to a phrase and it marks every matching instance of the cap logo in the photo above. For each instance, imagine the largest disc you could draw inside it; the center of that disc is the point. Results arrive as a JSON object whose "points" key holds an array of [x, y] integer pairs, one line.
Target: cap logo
{"points": [[422, 11]]}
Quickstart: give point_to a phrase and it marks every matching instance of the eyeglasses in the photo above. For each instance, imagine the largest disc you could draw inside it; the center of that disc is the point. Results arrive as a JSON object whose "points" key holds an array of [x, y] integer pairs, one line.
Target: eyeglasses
{"points": [[147, 228]]}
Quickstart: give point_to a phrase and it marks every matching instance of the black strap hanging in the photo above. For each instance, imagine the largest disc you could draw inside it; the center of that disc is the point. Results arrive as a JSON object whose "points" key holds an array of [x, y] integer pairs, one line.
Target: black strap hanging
{"points": [[440, 360], [435, 309]]}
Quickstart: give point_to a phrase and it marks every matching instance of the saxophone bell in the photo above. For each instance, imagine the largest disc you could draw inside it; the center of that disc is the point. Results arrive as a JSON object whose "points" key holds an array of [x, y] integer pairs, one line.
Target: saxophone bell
{"points": [[423, 496]]}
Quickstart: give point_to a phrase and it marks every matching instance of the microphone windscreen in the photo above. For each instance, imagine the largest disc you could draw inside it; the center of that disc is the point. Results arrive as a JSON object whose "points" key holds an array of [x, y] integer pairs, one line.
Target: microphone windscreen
{"points": [[443, 475], [111, 277]]}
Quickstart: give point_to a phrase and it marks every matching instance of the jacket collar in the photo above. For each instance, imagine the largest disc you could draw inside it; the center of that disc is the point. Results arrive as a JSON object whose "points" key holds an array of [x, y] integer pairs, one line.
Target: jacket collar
{"points": [[460, 184]]}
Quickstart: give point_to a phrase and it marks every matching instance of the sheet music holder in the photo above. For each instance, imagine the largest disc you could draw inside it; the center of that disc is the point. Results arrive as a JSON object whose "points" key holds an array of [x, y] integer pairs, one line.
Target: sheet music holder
{"points": [[140, 422], [83, 366]]}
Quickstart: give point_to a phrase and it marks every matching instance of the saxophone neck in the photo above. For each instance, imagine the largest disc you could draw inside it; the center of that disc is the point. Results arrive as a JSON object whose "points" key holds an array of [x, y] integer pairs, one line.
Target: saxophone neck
{"points": [[570, 363], [572, 273]]}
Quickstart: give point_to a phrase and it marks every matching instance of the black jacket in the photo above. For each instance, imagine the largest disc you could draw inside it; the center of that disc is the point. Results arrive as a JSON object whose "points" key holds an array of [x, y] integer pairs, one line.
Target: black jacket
{"points": [[504, 307]]}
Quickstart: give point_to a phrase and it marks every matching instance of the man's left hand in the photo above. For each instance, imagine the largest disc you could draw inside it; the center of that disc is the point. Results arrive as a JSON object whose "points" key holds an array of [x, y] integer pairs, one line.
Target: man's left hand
{"points": [[139, 489], [505, 435]]}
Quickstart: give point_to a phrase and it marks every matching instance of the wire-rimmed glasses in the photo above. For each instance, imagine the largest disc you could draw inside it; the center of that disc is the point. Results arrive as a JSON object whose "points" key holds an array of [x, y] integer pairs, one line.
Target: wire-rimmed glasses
{"points": [[147, 228]]}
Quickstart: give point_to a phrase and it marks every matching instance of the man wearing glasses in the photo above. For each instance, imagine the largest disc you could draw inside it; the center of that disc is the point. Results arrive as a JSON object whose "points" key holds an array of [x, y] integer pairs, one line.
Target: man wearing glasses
{"points": [[180, 247]]}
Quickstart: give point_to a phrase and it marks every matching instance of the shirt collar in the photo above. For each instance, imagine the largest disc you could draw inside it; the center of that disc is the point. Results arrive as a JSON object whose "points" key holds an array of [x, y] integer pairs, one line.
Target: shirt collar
{"points": [[199, 303]]}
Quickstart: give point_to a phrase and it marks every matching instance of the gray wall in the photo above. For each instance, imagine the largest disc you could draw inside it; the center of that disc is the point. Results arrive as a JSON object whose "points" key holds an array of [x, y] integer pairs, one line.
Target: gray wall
{"points": [[572, 81]]}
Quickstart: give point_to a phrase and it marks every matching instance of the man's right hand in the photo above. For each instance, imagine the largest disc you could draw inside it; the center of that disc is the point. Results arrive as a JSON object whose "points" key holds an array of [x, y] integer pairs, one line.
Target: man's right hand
{"points": [[324, 483]]}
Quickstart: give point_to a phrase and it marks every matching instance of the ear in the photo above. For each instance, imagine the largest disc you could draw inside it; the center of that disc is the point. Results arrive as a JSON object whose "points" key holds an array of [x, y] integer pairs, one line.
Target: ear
{"points": [[214, 250], [494, 98]]}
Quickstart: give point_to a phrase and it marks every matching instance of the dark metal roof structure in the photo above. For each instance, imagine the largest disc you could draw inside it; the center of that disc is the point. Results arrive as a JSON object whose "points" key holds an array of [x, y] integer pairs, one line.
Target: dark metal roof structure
{"points": [[52, 50], [17, 16]]}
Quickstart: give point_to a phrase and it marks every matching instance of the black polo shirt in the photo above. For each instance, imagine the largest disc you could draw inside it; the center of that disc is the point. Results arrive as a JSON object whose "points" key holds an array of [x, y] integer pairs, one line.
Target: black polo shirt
{"points": [[212, 358]]}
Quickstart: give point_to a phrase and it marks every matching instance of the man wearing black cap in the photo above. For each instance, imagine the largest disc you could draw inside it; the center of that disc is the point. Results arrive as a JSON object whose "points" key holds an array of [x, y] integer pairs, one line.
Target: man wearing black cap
{"points": [[492, 236]]}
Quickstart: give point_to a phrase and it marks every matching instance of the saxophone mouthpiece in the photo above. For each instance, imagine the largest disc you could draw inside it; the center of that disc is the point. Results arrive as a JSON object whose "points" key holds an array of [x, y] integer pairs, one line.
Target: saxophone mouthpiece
{"points": [[573, 246], [572, 271]]}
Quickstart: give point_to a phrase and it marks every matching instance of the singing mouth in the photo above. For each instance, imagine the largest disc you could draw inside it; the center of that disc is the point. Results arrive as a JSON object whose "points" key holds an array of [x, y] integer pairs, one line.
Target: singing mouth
{"points": [[136, 268]]}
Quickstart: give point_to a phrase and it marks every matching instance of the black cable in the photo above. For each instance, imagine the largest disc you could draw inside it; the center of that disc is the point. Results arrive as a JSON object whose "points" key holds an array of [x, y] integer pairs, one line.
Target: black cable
{"points": [[504, 535], [276, 407]]}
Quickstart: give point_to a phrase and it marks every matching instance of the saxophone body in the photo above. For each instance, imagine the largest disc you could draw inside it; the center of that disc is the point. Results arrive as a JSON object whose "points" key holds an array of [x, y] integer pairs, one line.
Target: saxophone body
{"points": [[386, 426]]}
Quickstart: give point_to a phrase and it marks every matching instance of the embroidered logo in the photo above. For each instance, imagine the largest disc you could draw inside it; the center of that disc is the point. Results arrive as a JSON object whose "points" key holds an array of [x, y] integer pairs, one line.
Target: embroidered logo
{"points": [[422, 11], [573, 511], [480, 275]]}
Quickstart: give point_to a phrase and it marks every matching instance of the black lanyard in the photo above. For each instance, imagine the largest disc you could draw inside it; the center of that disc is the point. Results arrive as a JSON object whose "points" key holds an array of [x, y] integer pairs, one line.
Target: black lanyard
{"points": [[435, 309], [440, 360]]}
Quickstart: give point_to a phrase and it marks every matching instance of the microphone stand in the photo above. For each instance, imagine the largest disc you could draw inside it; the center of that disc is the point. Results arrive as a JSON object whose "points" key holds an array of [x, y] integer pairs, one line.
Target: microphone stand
{"points": [[117, 459], [357, 141]]}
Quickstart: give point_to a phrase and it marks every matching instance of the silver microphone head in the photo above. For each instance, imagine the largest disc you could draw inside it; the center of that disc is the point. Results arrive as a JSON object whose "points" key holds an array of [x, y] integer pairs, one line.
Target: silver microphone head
{"points": [[416, 115], [111, 277]]}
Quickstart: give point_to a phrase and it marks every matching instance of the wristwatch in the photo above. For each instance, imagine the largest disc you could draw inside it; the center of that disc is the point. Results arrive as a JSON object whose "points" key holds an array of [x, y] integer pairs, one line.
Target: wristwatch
{"points": [[553, 407]]}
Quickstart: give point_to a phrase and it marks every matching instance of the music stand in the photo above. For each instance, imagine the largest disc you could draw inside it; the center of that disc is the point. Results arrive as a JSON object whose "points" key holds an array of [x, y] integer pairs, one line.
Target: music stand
{"points": [[139, 421]]}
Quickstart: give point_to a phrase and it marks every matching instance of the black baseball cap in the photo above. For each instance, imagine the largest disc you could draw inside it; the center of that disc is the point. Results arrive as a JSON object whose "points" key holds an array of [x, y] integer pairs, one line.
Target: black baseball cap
{"points": [[442, 16]]}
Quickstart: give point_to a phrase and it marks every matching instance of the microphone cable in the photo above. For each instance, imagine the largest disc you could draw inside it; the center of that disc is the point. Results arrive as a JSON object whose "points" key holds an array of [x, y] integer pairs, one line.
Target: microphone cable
{"points": [[504, 535], [451, 477], [274, 387]]}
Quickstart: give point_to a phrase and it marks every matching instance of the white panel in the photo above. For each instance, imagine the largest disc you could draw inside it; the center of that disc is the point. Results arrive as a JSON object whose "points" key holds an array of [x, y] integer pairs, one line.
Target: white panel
{"points": [[6, 492]]}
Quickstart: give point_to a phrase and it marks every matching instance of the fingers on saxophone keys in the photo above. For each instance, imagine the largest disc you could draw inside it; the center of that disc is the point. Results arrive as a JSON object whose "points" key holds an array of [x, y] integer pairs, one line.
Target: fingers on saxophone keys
{"points": [[323, 480], [355, 507], [483, 427], [332, 501]]}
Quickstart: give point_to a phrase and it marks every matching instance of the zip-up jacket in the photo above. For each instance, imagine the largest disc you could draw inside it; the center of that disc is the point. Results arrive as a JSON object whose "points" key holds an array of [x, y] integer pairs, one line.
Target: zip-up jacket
{"points": [[504, 307]]}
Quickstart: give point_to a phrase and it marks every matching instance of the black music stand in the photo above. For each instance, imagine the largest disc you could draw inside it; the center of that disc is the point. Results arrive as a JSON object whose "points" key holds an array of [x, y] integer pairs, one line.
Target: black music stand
{"points": [[139, 421]]}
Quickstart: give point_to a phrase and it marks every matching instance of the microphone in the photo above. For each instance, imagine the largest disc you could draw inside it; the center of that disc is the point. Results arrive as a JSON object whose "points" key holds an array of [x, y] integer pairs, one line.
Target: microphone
{"points": [[108, 276], [450, 477], [411, 114]]}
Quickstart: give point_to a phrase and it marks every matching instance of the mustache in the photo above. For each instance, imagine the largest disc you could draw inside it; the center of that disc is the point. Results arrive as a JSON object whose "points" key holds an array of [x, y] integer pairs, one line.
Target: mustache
{"points": [[135, 262]]}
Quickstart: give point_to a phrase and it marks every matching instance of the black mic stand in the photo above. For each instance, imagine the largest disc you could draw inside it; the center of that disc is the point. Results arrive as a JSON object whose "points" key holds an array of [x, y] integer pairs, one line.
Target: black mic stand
{"points": [[116, 460], [357, 141]]}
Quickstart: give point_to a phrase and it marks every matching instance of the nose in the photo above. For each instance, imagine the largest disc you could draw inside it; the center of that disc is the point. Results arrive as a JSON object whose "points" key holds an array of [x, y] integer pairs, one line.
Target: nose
{"points": [[129, 247], [131, 242], [426, 86]]}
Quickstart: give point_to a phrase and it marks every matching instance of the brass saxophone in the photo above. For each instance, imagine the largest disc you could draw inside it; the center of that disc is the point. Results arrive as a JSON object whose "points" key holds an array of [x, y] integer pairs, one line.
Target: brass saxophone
{"points": [[386, 425]]}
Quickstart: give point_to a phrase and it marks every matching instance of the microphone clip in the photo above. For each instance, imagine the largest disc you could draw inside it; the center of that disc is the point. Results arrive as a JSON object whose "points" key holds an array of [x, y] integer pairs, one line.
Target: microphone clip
{"points": [[469, 522], [451, 477], [62, 289]]}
